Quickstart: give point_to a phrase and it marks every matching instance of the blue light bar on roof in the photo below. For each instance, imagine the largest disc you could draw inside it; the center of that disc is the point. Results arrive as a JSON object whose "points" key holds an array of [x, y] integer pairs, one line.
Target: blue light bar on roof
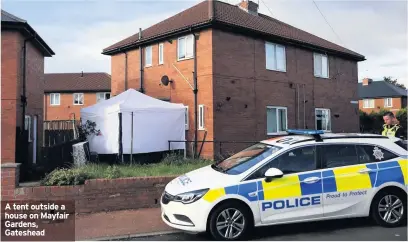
{"points": [[304, 131]]}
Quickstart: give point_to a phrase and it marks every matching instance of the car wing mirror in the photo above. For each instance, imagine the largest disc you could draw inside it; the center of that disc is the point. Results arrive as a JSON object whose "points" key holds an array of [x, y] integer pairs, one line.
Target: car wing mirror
{"points": [[273, 173]]}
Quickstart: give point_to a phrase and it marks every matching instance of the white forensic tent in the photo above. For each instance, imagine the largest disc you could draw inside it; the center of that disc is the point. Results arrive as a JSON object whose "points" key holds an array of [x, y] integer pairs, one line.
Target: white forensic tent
{"points": [[155, 122]]}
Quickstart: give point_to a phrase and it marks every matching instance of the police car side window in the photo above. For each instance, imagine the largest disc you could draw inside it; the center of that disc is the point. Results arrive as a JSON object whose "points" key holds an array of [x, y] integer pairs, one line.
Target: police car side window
{"points": [[370, 153], [293, 161], [339, 155]]}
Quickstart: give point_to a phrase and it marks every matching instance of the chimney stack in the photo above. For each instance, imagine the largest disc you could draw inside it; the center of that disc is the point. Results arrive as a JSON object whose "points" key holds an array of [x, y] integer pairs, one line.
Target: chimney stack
{"points": [[367, 81], [249, 6], [82, 74]]}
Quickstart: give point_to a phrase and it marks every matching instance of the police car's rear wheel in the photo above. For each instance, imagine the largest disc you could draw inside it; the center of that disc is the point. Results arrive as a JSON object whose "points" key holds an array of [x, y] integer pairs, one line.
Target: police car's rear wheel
{"points": [[230, 222], [390, 208]]}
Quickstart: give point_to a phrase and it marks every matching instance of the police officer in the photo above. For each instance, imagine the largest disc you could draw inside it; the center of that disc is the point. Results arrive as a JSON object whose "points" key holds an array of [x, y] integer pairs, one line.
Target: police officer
{"points": [[391, 126]]}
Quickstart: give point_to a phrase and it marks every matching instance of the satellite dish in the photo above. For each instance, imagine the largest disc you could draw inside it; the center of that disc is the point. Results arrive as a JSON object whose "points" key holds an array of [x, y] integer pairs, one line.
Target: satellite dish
{"points": [[165, 80]]}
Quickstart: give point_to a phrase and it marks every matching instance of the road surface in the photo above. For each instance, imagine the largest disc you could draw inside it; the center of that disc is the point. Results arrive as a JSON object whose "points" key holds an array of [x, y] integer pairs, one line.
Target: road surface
{"points": [[348, 229]]}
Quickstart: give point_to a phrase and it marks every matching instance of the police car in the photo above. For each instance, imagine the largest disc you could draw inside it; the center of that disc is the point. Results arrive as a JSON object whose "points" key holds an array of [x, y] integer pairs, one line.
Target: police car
{"points": [[306, 175]]}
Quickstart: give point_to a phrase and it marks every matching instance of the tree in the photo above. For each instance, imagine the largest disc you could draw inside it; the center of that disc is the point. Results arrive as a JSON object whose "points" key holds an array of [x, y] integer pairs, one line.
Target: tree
{"points": [[394, 82]]}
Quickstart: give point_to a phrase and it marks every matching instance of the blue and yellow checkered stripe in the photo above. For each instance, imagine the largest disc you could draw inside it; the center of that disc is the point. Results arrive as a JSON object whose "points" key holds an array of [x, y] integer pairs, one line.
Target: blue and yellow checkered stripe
{"points": [[336, 180]]}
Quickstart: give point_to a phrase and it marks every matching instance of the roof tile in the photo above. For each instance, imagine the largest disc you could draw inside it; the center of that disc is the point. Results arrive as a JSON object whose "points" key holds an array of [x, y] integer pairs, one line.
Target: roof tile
{"points": [[69, 82]]}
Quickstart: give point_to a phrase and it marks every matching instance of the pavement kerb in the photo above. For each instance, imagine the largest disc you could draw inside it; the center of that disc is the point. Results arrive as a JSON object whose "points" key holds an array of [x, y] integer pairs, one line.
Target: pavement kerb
{"points": [[127, 236]]}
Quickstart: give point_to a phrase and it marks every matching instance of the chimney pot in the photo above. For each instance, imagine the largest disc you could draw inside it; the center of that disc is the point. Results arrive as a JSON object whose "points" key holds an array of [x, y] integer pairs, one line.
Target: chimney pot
{"points": [[249, 6], [367, 81]]}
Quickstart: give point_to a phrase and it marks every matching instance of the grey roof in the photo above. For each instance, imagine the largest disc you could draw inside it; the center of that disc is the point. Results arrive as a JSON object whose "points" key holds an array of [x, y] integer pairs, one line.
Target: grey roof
{"points": [[379, 89], [11, 22], [8, 17]]}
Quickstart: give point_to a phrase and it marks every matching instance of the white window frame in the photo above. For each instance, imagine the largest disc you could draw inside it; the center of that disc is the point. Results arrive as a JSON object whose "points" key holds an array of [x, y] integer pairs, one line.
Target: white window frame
{"points": [[201, 117], [55, 95], [147, 63], [279, 129], [275, 57], [368, 103], [104, 96], [187, 118], [385, 102], [314, 66], [83, 99], [27, 126], [186, 55], [324, 109], [161, 53]]}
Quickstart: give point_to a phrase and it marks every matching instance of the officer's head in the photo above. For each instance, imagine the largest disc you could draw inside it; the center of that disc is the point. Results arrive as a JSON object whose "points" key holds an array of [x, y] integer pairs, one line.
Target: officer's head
{"points": [[389, 118]]}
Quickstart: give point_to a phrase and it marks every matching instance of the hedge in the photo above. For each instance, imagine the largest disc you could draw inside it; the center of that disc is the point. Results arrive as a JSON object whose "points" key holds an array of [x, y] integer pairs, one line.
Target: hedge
{"points": [[373, 122]]}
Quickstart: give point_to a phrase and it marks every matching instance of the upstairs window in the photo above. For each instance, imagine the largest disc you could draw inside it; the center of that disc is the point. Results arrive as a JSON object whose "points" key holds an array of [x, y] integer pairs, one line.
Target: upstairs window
{"points": [[100, 96], [185, 47], [161, 54], [78, 99], [321, 65], [54, 99], [368, 103], [148, 56], [275, 56]]}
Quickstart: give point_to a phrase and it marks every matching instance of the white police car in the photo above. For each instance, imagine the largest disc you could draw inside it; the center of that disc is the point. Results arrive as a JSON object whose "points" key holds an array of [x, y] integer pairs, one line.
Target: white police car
{"points": [[304, 176]]}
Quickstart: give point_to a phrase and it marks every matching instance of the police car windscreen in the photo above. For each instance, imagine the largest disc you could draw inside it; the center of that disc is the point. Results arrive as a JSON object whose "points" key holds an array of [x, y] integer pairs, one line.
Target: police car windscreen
{"points": [[243, 160]]}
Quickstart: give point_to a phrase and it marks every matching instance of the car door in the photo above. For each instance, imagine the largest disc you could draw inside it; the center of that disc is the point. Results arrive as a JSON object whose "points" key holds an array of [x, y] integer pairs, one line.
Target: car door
{"points": [[347, 183], [295, 196]]}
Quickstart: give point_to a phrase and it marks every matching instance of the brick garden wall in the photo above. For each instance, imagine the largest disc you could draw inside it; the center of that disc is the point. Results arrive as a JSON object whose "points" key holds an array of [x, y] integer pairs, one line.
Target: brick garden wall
{"points": [[95, 195]]}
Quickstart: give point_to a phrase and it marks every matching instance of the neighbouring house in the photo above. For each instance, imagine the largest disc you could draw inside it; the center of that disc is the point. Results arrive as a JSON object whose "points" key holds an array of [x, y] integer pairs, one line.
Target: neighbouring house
{"points": [[66, 93], [376, 95], [256, 76], [22, 90]]}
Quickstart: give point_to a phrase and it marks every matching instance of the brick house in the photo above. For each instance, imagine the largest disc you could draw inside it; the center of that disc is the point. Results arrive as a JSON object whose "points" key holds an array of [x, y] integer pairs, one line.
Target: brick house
{"points": [[380, 95], [66, 93], [256, 76], [22, 90]]}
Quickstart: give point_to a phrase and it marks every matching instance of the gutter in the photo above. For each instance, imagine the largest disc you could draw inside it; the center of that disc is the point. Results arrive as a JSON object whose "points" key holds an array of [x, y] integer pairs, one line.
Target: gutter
{"points": [[126, 70], [195, 91]]}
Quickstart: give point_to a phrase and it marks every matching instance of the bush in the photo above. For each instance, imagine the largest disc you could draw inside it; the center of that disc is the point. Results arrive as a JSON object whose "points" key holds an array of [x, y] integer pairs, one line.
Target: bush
{"points": [[61, 177], [113, 172], [373, 122]]}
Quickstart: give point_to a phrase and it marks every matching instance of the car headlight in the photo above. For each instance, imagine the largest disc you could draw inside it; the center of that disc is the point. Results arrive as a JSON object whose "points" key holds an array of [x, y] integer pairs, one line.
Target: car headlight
{"points": [[190, 197]]}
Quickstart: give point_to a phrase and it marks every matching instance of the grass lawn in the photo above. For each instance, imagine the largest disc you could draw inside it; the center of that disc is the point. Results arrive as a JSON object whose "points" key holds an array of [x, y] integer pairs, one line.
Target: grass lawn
{"points": [[169, 166]]}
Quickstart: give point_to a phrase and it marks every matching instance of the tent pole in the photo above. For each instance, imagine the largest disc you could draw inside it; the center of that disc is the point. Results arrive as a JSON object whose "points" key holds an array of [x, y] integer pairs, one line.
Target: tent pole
{"points": [[131, 143], [120, 137]]}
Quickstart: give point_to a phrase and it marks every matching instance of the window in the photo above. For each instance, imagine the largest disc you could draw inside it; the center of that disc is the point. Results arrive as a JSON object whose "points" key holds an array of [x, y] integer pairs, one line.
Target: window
{"points": [[368, 103], [161, 55], [185, 47], [276, 120], [388, 102], [201, 117], [275, 56], [366, 154], [78, 99], [321, 65], [244, 160], [323, 119], [148, 56], [100, 96], [297, 160], [186, 118], [54, 99], [402, 144], [27, 126], [339, 155]]}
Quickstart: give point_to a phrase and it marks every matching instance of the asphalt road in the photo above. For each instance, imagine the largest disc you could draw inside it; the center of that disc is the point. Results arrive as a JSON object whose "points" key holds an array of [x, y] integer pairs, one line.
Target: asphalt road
{"points": [[335, 230]]}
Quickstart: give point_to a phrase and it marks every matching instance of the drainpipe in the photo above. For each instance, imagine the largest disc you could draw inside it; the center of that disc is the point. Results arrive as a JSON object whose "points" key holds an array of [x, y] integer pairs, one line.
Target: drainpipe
{"points": [[126, 70], [141, 62], [23, 97], [195, 91]]}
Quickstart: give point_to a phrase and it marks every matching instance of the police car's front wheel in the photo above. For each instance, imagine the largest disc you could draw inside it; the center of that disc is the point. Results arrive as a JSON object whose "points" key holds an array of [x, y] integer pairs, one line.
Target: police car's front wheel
{"points": [[389, 208], [230, 221]]}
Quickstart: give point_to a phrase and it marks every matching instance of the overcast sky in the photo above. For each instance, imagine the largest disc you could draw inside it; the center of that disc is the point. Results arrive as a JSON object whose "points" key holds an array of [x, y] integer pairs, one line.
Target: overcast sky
{"points": [[78, 30]]}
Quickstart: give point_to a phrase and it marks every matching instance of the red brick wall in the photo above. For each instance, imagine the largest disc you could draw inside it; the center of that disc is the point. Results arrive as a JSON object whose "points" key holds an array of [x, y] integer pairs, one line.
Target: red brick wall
{"points": [[240, 73], [178, 91], [379, 103], [95, 195], [10, 98], [66, 109]]}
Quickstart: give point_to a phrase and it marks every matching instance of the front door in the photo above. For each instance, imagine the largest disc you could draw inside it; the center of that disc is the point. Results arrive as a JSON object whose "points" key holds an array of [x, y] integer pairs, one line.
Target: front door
{"points": [[297, 195]]}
